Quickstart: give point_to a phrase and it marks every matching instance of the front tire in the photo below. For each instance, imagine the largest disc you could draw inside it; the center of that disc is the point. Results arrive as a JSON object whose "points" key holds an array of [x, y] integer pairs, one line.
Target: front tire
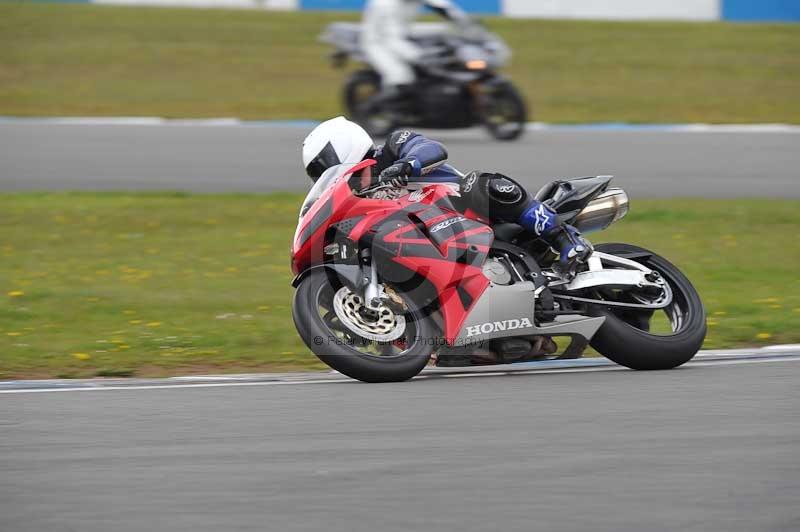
{"points": [[505, 114], [625, 336], [330, 340], [360, 89]]}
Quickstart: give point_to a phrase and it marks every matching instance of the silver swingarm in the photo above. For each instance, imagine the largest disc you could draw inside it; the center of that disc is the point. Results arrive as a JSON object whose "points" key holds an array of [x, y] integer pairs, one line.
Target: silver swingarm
{"points": [[627, 274]]}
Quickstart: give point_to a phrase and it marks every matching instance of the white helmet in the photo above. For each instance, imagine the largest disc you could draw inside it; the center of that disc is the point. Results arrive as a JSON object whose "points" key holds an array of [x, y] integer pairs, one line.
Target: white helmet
{"points": [[333, 142]]}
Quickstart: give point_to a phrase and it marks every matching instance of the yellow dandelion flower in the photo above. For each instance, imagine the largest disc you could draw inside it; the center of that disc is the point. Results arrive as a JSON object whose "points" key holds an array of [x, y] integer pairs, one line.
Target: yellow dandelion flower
{"points": [[720, 313], [266, 307], [124, 346], [129, 312], [16, 293], [135, 322], [13, 333], [764, 336], [82, 356], [154, 324]]}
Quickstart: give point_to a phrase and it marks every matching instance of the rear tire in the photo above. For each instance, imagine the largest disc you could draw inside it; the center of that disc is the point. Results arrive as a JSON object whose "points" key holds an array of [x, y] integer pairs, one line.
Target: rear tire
{"points": [[344, 358], [625, 338]]}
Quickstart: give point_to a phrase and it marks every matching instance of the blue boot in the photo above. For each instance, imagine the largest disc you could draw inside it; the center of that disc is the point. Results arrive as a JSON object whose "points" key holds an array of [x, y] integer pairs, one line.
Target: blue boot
{"points": [[571, 247]]}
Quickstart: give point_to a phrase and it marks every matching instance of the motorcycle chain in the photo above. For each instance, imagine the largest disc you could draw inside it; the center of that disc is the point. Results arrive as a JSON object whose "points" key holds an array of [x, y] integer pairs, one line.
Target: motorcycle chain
{"points": [[604, 303]]}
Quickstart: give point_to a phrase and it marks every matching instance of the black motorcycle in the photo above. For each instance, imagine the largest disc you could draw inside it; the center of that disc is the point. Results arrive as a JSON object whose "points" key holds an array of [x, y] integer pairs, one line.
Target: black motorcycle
{"points": [[457, 84]]}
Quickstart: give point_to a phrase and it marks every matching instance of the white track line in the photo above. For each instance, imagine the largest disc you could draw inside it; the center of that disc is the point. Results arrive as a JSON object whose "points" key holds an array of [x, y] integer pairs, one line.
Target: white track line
{"points": [[339, 380], [172, 386], [532, 126]]}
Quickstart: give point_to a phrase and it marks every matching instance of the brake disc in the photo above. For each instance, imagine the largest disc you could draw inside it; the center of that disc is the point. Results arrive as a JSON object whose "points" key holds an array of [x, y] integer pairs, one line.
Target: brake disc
{"points": [[381, 325]]}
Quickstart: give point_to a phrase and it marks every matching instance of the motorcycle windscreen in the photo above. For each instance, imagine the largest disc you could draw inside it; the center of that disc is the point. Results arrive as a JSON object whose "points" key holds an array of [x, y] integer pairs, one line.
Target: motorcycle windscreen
{"points": [[327, 180]]}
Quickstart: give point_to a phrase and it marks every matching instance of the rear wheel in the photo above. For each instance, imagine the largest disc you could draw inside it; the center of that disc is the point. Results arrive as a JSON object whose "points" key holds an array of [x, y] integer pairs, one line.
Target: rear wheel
{"points": [[362, 87], [648, 340], [381, 346]]}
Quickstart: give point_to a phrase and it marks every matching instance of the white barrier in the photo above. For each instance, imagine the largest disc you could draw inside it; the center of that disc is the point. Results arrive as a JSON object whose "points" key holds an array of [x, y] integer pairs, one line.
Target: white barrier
{"points": [[614, 9], [739, 10]]}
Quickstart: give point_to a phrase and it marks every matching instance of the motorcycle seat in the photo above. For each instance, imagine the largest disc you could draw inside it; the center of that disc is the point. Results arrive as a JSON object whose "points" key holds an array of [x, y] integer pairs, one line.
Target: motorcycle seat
{"points": [[578, 186], [546, 191], [507, 232], [572, 195]]}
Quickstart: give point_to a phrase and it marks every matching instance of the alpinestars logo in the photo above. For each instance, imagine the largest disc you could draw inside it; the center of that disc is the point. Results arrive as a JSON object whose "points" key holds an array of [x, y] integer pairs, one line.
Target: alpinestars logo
{"points": [[403, 137], [506, 189], [496, 326], [542, 219], [447, 223]]}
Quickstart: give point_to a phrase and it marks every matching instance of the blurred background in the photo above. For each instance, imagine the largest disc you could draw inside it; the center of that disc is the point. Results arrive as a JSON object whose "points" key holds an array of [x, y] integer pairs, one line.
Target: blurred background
{"points": [[150, 184], [150, 174]]}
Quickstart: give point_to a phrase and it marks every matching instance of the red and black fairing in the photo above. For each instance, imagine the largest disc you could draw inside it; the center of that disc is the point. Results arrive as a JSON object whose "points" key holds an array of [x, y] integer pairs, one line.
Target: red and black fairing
{"points": [[419, 243], [336, 204]]}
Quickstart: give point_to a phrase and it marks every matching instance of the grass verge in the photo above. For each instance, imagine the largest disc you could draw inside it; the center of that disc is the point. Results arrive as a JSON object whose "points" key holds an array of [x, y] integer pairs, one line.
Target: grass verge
{"points": [[111, 60], [157, 284]]}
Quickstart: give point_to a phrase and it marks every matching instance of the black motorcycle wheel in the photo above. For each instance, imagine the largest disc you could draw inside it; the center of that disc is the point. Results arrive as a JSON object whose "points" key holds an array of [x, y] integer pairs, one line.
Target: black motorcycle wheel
{"points": [[363, 86], [626, 337], [505, 114], [346, 352]]}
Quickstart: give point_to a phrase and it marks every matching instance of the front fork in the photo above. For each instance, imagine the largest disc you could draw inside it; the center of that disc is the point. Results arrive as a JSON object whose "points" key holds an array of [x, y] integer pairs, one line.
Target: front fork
{"points": [[481, 91], [480, 99], [373, 290]]}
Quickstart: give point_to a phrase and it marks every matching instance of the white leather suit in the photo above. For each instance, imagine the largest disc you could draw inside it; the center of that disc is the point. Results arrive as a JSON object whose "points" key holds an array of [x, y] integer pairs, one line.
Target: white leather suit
{"points": [[385, 33]]}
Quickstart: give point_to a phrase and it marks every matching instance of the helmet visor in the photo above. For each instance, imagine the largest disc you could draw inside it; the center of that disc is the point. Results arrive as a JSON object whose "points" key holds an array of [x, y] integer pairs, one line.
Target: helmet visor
{"points": [[326, 158]]}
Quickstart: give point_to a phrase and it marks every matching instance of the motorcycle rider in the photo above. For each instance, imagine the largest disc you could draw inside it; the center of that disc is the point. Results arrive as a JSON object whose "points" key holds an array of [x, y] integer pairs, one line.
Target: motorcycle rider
{"points": [[410, 160], [386, 43]]}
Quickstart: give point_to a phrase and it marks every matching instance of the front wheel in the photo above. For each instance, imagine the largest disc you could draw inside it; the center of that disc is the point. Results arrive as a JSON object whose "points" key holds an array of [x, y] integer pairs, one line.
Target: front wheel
{"points": [[638, 340], [382, 346], [360, 92], [505, 114]]}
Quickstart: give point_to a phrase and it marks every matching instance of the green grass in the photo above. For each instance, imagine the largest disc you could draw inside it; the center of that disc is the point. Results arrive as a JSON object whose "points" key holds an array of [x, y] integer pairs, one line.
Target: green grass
{"points": [[104, 60], [157, 284]]}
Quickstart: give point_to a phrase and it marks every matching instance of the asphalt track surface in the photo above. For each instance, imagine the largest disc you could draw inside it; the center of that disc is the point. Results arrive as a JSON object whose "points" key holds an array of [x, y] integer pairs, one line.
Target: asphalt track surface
{"points": [[265, 157], [712, 446]]}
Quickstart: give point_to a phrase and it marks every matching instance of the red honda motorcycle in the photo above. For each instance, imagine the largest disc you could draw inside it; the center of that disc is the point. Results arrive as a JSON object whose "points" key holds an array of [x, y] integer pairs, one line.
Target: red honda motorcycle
{"points": [[388, 281]]}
